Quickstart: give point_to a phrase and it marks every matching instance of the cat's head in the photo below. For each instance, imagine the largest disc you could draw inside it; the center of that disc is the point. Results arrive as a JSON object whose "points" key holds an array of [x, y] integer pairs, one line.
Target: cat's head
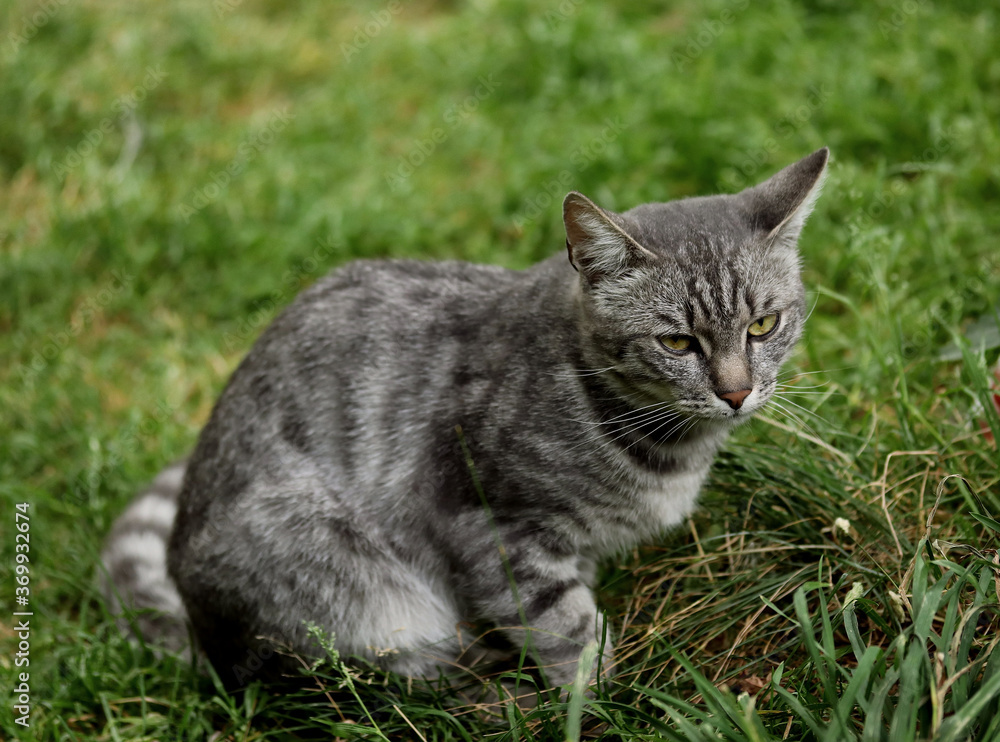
{"points": [[695, 302]]}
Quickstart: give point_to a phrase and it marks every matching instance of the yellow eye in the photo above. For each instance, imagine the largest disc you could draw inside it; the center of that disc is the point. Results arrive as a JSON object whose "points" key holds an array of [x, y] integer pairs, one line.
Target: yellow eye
{"points": [[763, 326], [676, 342]]}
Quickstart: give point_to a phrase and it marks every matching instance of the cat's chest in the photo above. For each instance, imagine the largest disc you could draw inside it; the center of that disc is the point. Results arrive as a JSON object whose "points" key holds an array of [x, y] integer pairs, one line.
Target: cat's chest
{"points": [[667, 502], [645, 511]]}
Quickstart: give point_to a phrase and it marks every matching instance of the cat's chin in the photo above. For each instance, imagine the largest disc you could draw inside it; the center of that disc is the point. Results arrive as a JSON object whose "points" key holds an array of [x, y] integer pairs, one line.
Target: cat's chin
{"points": [[724, 421], [712, 426]]}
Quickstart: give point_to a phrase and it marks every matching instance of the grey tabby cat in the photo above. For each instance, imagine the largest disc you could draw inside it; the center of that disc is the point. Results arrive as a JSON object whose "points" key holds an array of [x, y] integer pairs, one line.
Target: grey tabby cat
{"points": [[401, 420]]}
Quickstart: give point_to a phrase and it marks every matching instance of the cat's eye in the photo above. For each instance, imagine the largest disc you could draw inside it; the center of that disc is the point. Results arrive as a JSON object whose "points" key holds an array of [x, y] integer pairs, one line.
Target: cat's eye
{"points": [[763, 326], [678, 343]]}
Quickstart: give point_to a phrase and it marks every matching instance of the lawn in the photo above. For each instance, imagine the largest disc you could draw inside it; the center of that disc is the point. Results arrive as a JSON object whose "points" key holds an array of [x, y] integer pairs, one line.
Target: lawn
{"points": [[173, 173]]}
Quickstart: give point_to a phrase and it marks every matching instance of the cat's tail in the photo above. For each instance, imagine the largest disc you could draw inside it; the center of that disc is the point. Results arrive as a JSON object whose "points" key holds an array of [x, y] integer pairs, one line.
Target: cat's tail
{"points": [[134, 576]]}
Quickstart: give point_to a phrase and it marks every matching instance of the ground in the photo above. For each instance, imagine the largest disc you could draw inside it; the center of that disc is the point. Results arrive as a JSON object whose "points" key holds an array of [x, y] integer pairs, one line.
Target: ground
{"points": [[172, 174]]}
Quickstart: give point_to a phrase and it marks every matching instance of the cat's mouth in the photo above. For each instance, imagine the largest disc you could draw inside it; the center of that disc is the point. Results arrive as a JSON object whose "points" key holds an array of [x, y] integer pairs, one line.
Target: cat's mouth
{"points": [[736, 405], [713, 412]]}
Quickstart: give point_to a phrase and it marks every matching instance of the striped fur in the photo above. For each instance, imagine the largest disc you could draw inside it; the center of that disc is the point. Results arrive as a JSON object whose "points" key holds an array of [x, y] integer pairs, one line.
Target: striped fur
{"points": [[134, 577], [414, 453]]}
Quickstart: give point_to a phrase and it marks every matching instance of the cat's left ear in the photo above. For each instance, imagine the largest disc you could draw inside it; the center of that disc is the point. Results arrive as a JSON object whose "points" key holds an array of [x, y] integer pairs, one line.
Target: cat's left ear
{"points": [[596, 240], [782, 203]]}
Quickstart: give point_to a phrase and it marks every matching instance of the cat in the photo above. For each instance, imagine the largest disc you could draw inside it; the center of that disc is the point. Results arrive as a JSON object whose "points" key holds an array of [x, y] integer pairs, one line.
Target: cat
{"points": [[413, 451]]}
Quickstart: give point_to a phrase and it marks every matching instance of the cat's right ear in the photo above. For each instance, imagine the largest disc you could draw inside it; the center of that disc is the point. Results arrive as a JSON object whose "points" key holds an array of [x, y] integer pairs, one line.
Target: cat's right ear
{"points": [[597, 244], [781, 204]]}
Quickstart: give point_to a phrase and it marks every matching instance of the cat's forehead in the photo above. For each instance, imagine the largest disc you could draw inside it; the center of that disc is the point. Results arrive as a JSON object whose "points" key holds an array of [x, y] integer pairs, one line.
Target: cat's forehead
{"points": [[709, 295], [706, 227], [715, 264]]}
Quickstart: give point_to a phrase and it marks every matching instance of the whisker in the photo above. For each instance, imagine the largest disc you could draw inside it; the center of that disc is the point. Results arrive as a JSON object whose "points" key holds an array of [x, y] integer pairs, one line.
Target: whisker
{"points": [[796, 374], [804, 409], [788, 413], [790, 424], [791, 385], [796, 392], [679, 429], [618, 396], [794, 417], [629, 429], [684, 431], [666, 418], [780, 413], [663, 420], [810, 313], [577, 373], [627, 416], [812, 439], [652, 433], [692, 421]]}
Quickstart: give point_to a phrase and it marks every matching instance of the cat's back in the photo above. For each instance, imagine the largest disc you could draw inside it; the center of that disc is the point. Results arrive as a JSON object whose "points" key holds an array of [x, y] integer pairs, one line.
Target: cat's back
{"points": [[381, 288], [352, 374], [372, 325]]}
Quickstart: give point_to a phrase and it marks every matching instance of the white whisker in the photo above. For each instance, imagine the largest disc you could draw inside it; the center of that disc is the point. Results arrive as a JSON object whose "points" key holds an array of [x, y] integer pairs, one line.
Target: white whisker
{"points": [[630, 415], [827, 393], [805, 436], [788, 385], [630, 427], [799, 422], [663, 420], [810, 313], [577, 373], [804, 409], [692, 421], [778, 407], [796, 374], [652, 433]]}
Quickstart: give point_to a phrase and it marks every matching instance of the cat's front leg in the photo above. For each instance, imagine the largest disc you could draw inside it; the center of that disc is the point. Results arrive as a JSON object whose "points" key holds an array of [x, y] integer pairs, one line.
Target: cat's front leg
{"points": [[545, 601], [561, 621]]}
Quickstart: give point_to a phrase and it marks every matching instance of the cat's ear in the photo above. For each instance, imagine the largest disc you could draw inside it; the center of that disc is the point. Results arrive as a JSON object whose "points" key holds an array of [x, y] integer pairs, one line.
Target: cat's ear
{"points": [[781, 204], [597, 243]]}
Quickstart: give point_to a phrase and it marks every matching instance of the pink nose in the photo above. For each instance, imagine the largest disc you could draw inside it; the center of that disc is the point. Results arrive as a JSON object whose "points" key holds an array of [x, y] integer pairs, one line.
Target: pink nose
{"points": [[735, 399]]}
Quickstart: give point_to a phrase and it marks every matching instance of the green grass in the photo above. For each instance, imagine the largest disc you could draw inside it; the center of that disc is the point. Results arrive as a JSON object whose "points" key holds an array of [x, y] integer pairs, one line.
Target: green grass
{"points": [[171, 174]]}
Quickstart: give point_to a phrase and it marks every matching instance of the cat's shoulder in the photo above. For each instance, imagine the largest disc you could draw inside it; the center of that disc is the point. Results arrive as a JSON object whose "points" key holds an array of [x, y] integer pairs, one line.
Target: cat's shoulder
{"points": [[419, 291], [389, 276]]}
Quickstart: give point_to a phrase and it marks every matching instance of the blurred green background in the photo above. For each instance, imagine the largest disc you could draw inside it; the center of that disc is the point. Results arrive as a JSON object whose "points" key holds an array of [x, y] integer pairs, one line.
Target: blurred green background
{"points": [[173, 173]]}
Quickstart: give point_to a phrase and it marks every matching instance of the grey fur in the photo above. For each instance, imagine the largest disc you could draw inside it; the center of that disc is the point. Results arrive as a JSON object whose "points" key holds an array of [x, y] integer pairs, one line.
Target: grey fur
{"points": [[135, 564], [332, 484]]}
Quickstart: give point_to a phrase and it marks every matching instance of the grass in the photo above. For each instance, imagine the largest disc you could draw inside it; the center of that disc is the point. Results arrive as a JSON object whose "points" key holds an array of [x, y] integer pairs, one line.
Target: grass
{"points": [[171, 174]]}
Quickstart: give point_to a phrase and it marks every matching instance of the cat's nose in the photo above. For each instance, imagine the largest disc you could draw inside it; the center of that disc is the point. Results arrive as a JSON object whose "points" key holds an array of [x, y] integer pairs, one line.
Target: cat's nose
{"points": [[734, 399]]}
